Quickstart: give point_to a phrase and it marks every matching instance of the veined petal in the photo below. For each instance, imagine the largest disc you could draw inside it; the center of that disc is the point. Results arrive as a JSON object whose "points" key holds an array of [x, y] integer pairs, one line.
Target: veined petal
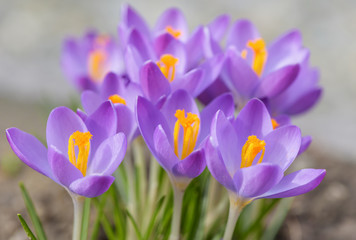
{"points": [[217, 166], [62, 122], [109, 155], [163, 149], [30, 150], [153, 82], [63, 170], [282, 146], [255, 180], [253, 119], [92, 185], [296, 183], [190, 167]]}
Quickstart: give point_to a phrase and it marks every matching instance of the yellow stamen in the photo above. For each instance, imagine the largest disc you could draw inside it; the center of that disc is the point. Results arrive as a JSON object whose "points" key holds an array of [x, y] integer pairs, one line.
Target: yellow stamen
{"points": [[260, 54], [252, 147], [96, 63], [191, 125], [275, 124], [167, 64], [81, 140], [117, 99], [174, 32]]}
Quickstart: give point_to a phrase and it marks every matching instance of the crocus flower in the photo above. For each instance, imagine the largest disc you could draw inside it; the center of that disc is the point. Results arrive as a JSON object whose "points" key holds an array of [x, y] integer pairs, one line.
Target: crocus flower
{"points": [[177, 56], [87, 60], [265, 155], [174, 133], [123, 94], [254, 70], [81, 156]]}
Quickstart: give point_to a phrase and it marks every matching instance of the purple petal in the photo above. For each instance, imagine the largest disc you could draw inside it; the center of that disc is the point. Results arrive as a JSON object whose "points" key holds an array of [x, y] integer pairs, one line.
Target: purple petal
{"points": [[242, 31], [109, 155], [91, 101], [30, 151], [306, 141], [194, 46], [305, 102], [190, 167], [238, 75], [253, 119], [179, 99], [277, 81], [217, 166], [282, 146], [138, 41], [219, 26], [154, 83], [174, 18], [217, 88], [223, 136], [62, 122], [189, 82], [163, 149], [210, 45], [282, 120], [286, 50], [82, 114], [148, 118], [224, 103], [63, 170], [126, 122], [110, 85], [133, 63], [253, 181], [91, 186], [296, 183]]}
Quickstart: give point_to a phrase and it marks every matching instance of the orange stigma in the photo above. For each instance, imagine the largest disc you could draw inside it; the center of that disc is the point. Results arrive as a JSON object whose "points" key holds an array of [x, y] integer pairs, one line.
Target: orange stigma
{"points": [[117, 99], [258, 47], [275, 124], [251, 148], [191, 125], [167, 64], [82, 141], [175, 33]]}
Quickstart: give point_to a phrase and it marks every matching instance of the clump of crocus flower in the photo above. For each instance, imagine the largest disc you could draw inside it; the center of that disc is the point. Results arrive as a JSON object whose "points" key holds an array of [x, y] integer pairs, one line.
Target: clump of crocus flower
{"points": [[145, 84]]}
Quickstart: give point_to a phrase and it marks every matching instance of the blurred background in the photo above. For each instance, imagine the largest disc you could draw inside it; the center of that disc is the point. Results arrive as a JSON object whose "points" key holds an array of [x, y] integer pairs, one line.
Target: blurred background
{"points": [[31, 83]]}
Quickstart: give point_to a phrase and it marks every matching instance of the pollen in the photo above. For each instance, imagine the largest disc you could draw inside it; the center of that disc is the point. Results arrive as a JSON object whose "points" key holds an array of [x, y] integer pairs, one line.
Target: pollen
{"points": [[251, 148], [82, 141], [190, 125], [117, 99], [174, 32], [275, 124], [167, 65], [97, 64]]}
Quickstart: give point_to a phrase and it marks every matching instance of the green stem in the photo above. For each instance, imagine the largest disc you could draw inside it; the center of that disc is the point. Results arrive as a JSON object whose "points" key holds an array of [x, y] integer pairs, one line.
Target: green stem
{"points": [[177, 211], [78, 203]]}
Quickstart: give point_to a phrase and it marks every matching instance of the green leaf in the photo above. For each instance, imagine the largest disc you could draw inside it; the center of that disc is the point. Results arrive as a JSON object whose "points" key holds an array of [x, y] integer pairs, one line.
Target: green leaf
{"points": [[153, 219], [103, 220], [85, 221], [32, 212], [138, 234], [28, 231]]}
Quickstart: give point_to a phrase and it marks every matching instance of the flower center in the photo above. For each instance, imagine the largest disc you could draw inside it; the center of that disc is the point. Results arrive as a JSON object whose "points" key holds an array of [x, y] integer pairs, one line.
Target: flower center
{"points": [[97, 59], [81, 140], [167, 64], [117, 99], [190, 125], [275, 124], [252, 147], [258, 47], [174, 32]]}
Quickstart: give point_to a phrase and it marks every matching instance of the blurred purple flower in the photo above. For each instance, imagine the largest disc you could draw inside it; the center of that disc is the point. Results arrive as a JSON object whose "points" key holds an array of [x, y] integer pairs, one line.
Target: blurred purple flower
{"points": [[174, 133], [265, 155], [81, 155], [86, 61]]}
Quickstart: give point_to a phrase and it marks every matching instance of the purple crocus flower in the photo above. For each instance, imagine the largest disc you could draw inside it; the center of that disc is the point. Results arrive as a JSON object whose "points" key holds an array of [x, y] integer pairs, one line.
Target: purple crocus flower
{"points": [[174, 133], [265, 155], [123, 94], [167, 51], [254, 70], [87, 60], [81, 155]]}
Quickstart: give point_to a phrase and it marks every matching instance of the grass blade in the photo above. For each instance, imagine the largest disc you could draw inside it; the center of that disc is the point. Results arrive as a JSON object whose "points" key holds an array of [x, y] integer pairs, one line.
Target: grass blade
{"points": [[138, 234], [28, 231], [32, 212], [85, 221], [153, 219]]}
